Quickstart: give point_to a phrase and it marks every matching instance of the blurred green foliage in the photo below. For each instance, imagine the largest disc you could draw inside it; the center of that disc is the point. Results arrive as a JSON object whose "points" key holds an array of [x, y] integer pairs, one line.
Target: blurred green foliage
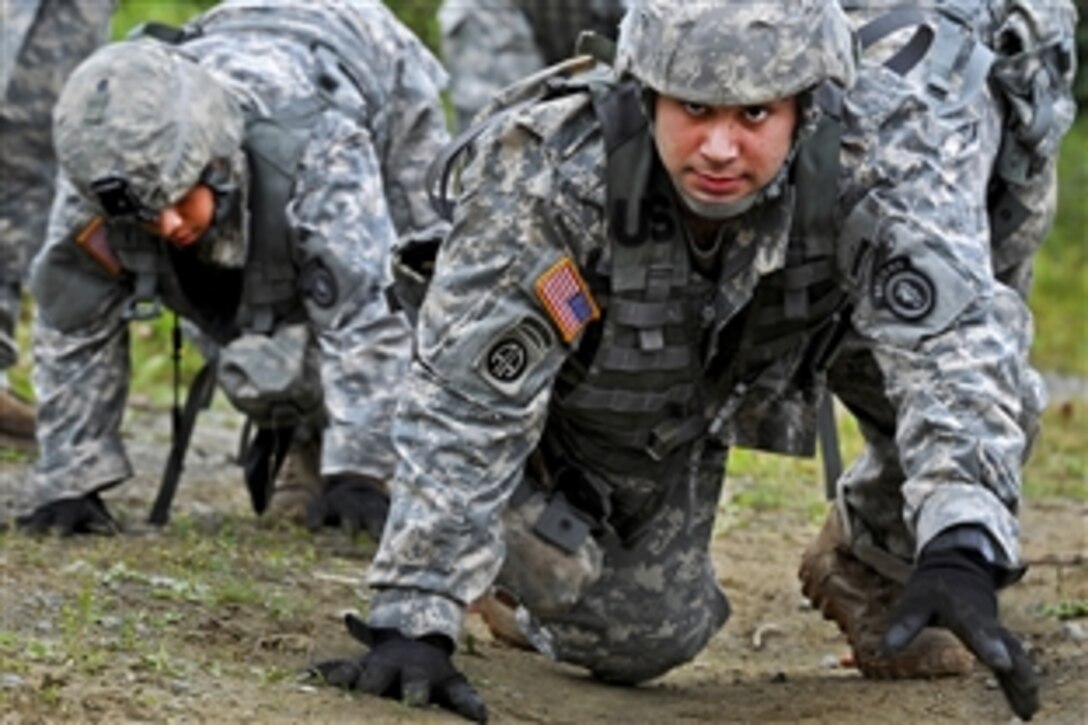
{"points": [[1060, 295], [419, 15]]}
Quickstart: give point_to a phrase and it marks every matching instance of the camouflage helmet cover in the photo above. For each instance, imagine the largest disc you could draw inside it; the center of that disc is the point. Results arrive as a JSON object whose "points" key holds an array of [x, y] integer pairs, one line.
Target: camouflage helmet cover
{"points": [[140, 111], [735, 52]]}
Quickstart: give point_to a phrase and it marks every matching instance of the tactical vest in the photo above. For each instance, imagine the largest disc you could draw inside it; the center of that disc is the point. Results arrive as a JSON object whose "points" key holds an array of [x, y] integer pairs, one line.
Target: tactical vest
{"points": [[673, 350]]}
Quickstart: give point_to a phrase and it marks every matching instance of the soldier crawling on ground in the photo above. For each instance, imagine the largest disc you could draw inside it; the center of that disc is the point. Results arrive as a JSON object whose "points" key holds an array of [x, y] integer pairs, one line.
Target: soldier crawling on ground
{"points": [[251, 172], [659, 260]]}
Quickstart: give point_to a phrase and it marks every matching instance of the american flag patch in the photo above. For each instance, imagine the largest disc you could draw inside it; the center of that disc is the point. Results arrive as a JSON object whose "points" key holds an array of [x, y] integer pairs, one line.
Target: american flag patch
{"points": [[566, 297]]}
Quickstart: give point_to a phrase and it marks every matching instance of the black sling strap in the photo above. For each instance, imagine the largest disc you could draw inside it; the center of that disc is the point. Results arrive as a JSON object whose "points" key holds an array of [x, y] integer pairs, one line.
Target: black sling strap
{"points": [[198, 398]]}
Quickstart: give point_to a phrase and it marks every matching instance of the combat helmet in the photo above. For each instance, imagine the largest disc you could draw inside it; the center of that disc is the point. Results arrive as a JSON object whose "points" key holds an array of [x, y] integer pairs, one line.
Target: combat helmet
{"points": [[735, 52], [138, 124]]}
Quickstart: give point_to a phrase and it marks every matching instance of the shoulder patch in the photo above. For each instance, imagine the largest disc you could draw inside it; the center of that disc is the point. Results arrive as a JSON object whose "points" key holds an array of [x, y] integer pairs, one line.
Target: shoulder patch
{"points": [[905, 290], [94, 240], [513, 354], [566, 298]]}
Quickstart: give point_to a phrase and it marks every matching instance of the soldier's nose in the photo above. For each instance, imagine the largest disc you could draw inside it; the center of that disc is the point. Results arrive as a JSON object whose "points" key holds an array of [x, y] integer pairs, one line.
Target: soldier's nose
{"points": [[169, 221]]}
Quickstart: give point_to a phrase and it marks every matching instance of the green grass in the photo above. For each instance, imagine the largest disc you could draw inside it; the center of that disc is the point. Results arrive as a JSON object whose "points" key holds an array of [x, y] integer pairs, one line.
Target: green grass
{"points": [[1060, 295]]}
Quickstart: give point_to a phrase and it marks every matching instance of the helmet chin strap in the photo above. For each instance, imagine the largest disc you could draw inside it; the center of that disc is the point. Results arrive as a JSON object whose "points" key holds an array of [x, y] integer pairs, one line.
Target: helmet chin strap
{"points": [[717, 211]]}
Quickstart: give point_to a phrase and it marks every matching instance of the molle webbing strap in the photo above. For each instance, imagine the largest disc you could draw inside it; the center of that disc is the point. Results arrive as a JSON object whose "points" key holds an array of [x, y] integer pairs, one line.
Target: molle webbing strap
{"points": [[668, 358], [629, 401], [141, 256], [907, 57], [952, 58], [630, 154], [274, 147], [633, 313], [529, 91]]}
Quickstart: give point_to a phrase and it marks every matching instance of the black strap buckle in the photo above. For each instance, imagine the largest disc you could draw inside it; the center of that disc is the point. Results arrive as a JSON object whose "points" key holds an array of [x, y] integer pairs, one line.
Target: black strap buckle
{"points": [[119, 201]]}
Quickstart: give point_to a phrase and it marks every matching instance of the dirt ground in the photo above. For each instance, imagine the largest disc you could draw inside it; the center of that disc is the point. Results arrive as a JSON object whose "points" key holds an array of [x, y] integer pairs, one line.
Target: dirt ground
{"points": [[212, 618]]}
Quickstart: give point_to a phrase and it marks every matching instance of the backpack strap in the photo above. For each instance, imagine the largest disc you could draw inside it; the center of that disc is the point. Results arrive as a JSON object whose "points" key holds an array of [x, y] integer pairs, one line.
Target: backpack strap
{"points": [[547, 83]]}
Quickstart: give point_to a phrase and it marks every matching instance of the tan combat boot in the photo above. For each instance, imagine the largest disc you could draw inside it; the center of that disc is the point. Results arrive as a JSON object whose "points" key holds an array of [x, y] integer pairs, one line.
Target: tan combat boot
{"points": [[17, 422], [298, 483], [861, 601], [499, 612]]}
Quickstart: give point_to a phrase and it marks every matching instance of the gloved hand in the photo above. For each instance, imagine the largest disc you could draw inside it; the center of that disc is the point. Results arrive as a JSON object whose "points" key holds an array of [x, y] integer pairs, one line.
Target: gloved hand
{"points": [[352, 501], [955, 589], [85, 514], [417, 672]]}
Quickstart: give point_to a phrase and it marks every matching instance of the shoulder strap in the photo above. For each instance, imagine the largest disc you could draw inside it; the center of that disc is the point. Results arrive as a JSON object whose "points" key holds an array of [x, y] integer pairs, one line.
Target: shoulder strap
{"points": [[273, 147], [547, 83]]}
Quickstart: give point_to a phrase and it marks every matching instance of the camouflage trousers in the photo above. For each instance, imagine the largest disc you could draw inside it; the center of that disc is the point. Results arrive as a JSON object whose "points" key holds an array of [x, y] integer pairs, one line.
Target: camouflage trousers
{"points": [[55, 35], [653, 603]]}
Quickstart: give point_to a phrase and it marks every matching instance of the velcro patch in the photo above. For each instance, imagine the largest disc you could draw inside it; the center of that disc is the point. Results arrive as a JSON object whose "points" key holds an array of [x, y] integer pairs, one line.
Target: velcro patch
{"points": [[513, 354], [905, 290], [94, 240], [566, 298]]}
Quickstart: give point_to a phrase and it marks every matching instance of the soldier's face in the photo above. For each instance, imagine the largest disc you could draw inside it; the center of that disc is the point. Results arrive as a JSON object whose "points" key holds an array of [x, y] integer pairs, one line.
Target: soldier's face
{"points": [[719, 154], [186, 221]]}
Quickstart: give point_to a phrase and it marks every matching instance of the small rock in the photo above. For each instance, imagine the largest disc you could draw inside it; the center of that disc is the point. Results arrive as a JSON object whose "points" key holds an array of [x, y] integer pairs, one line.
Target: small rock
{"points": [[830, 662], [180, 687], [991, 683], [778, 677], [110, 621], [1074, 631], [8, 680]]}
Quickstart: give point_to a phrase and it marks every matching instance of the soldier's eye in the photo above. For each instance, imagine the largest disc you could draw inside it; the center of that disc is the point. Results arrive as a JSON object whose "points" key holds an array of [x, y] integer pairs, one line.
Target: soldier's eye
{"points": [[755, 114], [695, 109]]}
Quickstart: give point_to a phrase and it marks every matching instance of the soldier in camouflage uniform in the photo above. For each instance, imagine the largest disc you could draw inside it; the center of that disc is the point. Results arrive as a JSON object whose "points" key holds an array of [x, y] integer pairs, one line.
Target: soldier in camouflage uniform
{"points": [[251, 172], [41, 41], [489, 44], [653, 263]]}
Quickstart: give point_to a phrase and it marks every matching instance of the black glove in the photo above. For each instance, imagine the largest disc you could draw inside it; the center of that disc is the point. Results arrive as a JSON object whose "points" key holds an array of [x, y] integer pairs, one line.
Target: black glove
{"points": [[85, 514], [350, 500], [417, 672], [955, 589]]}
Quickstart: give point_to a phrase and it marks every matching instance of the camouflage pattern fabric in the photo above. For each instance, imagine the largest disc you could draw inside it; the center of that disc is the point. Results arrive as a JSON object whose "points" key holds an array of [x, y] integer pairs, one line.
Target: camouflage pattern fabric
{"points": [[485, 47], [41, 41], [489, 44], [942, 382], [356, 190], [869, 494], [690, 52]]}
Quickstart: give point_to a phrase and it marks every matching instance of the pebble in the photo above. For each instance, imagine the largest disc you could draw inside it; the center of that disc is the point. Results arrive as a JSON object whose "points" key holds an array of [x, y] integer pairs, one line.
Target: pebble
{"points": [[8, 680], [1074, 631], [830, 662]]}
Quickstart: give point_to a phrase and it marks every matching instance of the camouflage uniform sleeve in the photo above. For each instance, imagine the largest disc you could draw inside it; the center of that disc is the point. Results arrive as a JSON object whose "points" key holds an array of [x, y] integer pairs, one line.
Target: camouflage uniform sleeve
{"points": [[951, 341], [342, 220], [416, 132], [476, 399], [486, 46], [81, 362]]}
